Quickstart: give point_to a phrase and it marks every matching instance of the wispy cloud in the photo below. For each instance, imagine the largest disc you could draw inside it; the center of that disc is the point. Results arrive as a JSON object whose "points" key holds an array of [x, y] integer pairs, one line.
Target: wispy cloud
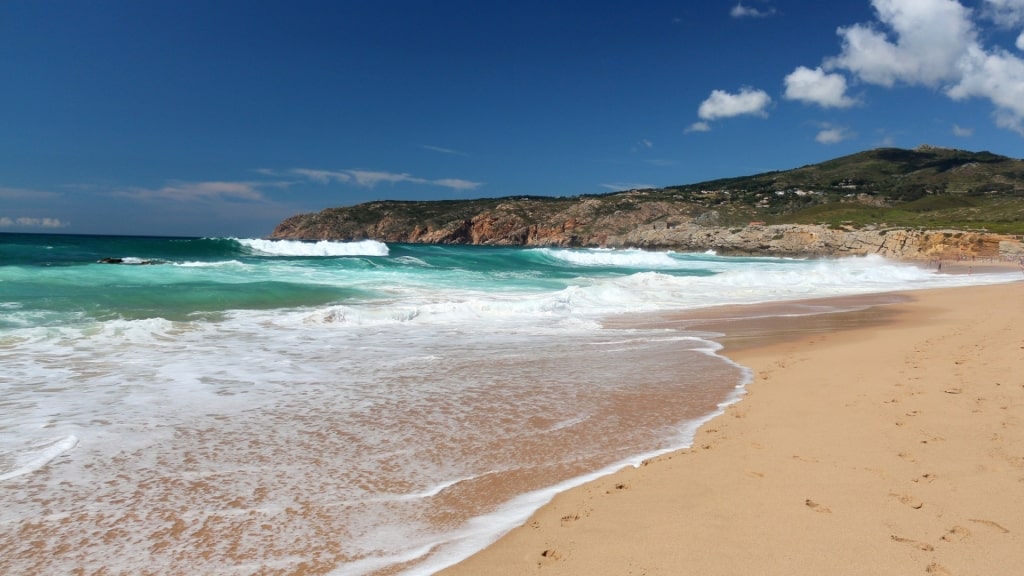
{"points": [[442, 150], [26, 194], [617, 186], [26, 222], [456, 183], [741, 11], [322, 176], [371, 178], [698, 127], [196, 192], [962, 132]]}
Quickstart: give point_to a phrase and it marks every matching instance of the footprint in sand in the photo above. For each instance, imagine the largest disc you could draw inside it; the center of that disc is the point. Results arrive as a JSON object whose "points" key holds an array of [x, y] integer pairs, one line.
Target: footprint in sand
{"points": [[991, 524], [548, 556], [908, 500], [956, 534], [817, 507], [927, 478], [919, 545], [937, 570]]}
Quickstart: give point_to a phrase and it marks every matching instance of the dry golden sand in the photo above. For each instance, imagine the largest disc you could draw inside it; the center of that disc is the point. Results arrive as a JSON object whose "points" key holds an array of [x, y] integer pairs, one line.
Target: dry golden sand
{"points": [[876, 449]]}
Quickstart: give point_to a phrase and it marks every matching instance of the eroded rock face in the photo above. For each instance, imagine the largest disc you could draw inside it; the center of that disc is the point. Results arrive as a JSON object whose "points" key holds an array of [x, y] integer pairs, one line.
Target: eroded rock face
{"points": [[810, 240], [652, 226]]}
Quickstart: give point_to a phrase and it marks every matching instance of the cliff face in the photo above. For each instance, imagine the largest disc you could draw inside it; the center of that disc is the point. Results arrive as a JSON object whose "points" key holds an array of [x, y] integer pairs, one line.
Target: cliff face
{"points": [[809, 240], [649, 225]]}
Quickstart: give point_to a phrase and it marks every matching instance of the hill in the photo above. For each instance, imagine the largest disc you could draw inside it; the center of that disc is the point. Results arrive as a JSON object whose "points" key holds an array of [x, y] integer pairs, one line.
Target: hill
{"points": [[927, 188]]}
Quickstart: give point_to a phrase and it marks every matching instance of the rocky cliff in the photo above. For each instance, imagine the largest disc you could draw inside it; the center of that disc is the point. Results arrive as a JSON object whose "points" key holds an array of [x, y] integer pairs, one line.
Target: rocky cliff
{"points": [[651, 225]]}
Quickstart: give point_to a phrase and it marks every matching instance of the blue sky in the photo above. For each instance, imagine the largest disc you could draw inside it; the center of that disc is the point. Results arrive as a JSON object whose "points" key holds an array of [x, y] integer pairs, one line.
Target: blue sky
{"points": [[221, 118]]}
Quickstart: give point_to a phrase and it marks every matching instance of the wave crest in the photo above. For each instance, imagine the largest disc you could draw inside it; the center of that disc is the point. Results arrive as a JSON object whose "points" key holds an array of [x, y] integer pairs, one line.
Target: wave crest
{"points": [[320, 248]]}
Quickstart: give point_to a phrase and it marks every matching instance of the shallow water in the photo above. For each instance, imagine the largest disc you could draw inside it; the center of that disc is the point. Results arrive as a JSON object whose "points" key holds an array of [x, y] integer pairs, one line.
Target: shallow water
{"points": [[245, 406]]}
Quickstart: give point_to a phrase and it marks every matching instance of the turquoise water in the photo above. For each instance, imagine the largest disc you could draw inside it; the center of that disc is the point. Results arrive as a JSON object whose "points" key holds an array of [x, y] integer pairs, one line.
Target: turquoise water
{"points": [[358, 407]]}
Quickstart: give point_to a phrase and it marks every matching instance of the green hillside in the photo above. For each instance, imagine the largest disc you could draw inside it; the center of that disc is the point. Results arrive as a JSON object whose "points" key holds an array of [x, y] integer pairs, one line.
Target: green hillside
{"points": [[927, 187]]}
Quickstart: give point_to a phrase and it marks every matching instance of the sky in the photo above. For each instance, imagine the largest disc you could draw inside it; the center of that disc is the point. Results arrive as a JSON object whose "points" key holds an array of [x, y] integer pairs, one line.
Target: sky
{"points": [[221, 118]]}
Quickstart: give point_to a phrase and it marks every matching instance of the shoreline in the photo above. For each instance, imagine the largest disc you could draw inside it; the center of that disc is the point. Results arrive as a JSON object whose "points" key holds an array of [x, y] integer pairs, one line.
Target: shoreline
{"points": [[886, 443]]}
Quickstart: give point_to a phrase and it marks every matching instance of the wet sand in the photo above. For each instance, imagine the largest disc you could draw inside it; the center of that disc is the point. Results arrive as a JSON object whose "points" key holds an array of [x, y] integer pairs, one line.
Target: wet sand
{"points": [[888, 440]]}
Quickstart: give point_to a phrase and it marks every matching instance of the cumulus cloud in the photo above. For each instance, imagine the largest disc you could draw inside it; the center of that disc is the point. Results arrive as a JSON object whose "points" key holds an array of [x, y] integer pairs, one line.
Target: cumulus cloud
{"points": [[928, 39], [935, 43], [818, 87], [741, 11], [26, 222], [722, 104], [999, 77]]}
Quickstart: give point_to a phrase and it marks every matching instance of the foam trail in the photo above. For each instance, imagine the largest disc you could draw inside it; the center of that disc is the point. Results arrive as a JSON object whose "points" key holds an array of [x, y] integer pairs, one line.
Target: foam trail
{"points": [[42, 458]]}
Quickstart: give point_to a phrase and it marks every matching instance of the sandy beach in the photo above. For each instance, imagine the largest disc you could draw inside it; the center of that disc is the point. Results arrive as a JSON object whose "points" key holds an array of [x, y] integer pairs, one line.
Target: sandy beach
{"points": [[887, 441]]}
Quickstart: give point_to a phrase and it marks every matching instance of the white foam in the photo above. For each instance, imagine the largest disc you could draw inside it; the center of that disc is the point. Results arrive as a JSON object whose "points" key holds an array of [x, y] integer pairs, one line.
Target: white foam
{"points": [[31, 459], [321, 248], [619, 258]]}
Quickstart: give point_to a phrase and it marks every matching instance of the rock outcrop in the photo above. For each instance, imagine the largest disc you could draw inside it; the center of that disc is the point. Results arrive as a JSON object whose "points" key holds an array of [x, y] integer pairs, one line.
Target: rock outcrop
{"points": [[813, 240]]}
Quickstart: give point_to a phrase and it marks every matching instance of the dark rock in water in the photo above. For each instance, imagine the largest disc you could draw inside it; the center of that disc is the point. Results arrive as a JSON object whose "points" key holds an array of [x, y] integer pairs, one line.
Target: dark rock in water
{"points": [[133, 262]]}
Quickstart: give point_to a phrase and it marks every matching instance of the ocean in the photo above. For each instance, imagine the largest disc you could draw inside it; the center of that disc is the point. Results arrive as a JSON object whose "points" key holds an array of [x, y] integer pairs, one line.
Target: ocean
{"points": [[248, 406]]}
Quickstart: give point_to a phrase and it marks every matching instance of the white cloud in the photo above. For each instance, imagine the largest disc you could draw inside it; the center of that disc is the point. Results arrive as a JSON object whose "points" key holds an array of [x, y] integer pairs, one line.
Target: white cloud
{"points": [[832, 134], [1008, 13], [935, 43], [721, 104], [962, 132], [698, 127], [741, 11], [1020, 41], [999, 77], [26, 222], [930, 37], [818, 87]]}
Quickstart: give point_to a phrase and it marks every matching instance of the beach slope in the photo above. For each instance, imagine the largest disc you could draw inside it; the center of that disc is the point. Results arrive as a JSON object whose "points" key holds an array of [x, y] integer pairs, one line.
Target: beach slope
{"points": [[894, 449]]}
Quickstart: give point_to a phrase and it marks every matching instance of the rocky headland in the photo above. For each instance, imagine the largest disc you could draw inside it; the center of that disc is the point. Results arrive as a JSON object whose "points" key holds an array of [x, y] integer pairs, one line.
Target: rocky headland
{"points": [[927, 203]]}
